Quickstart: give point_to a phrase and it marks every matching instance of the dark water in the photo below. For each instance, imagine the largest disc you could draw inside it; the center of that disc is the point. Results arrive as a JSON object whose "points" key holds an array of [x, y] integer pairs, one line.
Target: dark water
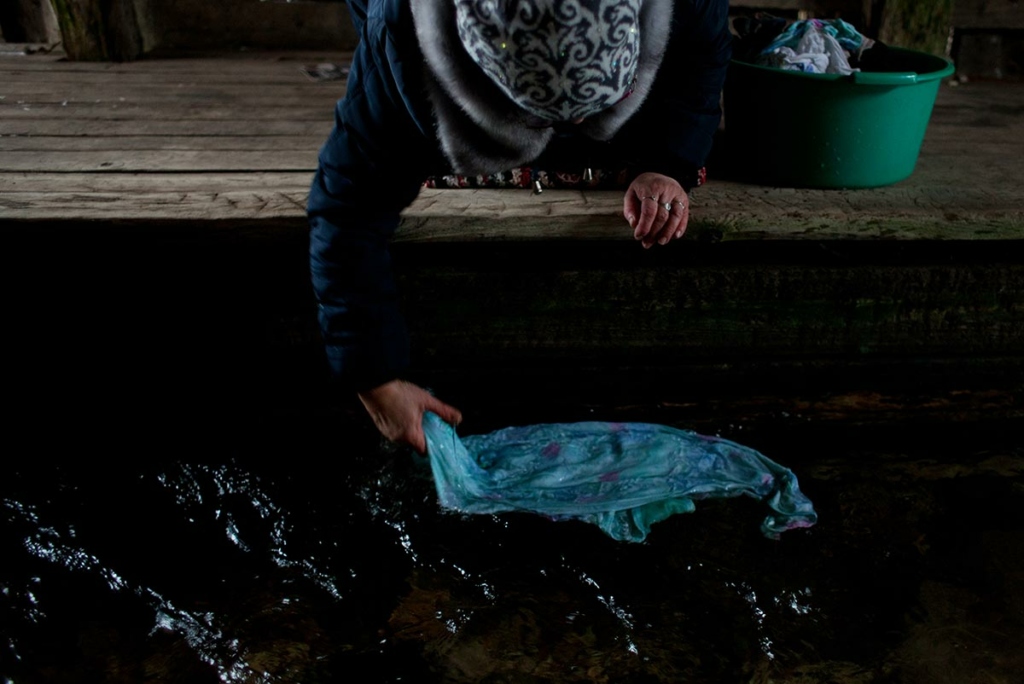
{"points": [[288, 555]]}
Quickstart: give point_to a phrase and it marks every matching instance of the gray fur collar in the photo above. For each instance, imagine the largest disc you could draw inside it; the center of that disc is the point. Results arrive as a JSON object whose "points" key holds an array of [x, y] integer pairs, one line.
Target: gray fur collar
{"points": [[480, 129]]}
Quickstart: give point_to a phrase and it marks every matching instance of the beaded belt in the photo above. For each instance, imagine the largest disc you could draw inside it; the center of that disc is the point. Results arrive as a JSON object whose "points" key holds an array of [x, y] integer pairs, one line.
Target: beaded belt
{"points": [[539, 180]]}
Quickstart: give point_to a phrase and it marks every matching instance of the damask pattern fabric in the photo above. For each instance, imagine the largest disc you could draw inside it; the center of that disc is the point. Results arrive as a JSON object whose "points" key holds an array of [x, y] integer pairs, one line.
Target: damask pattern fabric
{"points": [[560, 60]]}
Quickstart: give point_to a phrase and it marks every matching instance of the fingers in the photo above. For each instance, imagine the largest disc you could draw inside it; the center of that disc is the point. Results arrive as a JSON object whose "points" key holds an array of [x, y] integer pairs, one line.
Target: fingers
{"points": [[660, 229], [649, 209], [661, 222], [674, 226], [397, 409], [657, 209], [684, 217], [448, 414], [631, 208]]}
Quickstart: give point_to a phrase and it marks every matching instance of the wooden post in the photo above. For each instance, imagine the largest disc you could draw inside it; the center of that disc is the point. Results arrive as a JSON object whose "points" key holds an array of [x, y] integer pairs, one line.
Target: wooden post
{"points": [[99, 30], [917, 24]]}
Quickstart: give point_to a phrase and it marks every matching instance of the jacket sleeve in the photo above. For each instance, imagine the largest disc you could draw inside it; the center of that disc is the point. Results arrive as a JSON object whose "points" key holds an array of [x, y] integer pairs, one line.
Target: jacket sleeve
{"points": [[368, 172], [673, 131]]}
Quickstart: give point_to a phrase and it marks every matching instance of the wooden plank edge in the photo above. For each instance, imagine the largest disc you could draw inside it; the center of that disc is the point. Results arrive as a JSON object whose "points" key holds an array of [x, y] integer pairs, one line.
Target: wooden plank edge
{"points": [[274, 206]]}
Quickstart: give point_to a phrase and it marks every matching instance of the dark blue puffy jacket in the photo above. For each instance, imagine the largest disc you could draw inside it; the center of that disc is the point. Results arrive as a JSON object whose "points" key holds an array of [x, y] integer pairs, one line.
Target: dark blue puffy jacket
{"points": [[383, 147]]}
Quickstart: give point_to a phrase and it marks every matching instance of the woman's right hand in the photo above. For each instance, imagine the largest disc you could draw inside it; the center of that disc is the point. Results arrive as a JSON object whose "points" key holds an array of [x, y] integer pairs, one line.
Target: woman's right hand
{"points": [[397, 409]]}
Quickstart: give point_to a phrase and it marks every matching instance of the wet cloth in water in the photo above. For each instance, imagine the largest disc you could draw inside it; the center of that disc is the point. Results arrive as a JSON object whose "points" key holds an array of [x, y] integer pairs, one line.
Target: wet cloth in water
{"points": [[622, 477]]}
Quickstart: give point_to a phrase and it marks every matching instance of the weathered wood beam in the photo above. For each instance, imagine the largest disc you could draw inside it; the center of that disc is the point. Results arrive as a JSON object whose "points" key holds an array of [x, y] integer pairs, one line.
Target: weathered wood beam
{"points": [[917, 24], [602, 304], [99, 30], [287, 144], [116, 111], [158, 161]]}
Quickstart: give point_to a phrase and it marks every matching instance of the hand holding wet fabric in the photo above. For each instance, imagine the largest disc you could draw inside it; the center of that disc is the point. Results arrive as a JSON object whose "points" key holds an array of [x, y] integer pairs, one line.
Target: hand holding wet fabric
{"points": [[657, 209], [622, 477], [398, 407]]}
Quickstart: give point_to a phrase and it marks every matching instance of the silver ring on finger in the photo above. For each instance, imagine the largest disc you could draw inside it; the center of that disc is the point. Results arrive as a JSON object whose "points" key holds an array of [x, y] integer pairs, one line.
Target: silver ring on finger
{"points": [[667, 206], [681, 203], [651, 197]]}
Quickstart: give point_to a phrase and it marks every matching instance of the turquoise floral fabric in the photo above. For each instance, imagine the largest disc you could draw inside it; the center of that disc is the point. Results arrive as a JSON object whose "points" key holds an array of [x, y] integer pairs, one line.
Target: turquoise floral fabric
{"points": [[622, 477]]}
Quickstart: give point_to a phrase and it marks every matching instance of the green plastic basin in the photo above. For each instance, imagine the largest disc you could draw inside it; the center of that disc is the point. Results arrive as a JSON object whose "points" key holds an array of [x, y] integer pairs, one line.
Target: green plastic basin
{"points": [[787, 128]]}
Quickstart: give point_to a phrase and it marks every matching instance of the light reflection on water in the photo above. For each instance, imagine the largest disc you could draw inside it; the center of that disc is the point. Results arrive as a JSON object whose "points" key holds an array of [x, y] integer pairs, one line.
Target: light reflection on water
{"points": [[237, 493], [249, 571], [199, 631]]}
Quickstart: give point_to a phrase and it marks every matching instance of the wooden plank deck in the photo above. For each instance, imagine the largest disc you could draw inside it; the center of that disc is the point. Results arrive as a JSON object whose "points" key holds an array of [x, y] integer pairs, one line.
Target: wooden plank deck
{"points": [[130, 195], [235, 138]]}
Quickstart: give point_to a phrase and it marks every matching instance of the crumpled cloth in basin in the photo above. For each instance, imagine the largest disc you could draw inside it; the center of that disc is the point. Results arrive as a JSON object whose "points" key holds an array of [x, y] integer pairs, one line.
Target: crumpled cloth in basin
{"points": [[622, 477]]}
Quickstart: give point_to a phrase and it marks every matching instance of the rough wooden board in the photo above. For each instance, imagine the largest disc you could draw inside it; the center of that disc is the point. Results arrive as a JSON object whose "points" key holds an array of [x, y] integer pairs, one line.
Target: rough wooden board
{"points": [[288, 143], [179, 127], [102, 111], [169, 161], [770, 315], [163, 161], [257, 65], [179, 206], [256, 94], [606, 304], [128, 184], [722, 211], [493, 215], [289, 75]]}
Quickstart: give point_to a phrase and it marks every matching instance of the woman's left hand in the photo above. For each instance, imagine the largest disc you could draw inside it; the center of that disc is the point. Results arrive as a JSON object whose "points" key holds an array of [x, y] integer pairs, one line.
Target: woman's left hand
{"points": [[657, 209]]}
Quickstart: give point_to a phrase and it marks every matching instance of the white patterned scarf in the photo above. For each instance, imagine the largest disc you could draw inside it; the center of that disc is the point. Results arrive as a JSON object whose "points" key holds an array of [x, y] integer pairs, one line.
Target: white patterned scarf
{"points": [[560, 60], [481, 129]]}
